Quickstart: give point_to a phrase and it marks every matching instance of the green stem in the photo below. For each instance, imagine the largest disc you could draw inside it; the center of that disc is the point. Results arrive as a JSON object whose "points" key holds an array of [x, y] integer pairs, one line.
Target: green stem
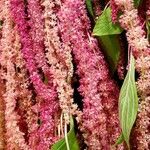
{"points": [[66, 137]]}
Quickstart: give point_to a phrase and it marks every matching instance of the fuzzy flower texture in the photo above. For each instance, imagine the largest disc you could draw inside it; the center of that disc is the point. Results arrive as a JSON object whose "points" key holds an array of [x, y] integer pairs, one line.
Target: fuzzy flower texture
{"points": [[46, 48]]}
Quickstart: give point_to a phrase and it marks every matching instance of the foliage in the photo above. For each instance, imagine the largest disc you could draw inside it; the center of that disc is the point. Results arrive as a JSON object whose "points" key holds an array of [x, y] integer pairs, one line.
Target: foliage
{"points": [[128, 102], [72, 140]]}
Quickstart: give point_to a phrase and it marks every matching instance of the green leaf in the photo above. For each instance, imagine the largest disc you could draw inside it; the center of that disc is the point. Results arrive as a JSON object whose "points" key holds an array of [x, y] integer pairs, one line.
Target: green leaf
{"points": [[104, 25], [148, 29], [119, 140], [137, 3], [111, 46], [72, 140], [90, 7], [45, 79], [128, 102]]}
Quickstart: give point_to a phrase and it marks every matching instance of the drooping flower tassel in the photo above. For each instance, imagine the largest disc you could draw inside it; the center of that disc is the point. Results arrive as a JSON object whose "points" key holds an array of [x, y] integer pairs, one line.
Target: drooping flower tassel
{"points": [[114, 11], [142, 131], [36, 23], [99, 92], [60, 59], [25, 96], [47, 106], [135, 33], [1, 9], [15, 138]]}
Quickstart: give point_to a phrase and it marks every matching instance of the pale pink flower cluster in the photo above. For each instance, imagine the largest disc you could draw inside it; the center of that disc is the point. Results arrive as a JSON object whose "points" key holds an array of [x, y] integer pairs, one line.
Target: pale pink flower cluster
{"points": [[15, 138], [131, 22], [1, 9], [143, 120], [25, 95], [60, 59]]}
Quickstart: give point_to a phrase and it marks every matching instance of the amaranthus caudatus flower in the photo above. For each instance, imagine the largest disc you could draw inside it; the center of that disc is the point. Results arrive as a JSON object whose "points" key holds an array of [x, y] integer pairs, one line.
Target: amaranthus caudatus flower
{"points": [[15, 137], [41, 42], [47, 106], [99, 92], [60, 59]]}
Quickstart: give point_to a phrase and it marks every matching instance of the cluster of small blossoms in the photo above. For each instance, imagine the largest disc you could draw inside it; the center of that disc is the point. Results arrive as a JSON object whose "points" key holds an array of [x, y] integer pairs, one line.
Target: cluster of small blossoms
{"points": [[39, 41], [140, 46], [25, 100], [99, 121], [37, 33], [61, 70], [135, 35], [114, 9], [36, 23], [143, 120], [97, 8], [14, 136], [47, 106], [60, 59]]}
